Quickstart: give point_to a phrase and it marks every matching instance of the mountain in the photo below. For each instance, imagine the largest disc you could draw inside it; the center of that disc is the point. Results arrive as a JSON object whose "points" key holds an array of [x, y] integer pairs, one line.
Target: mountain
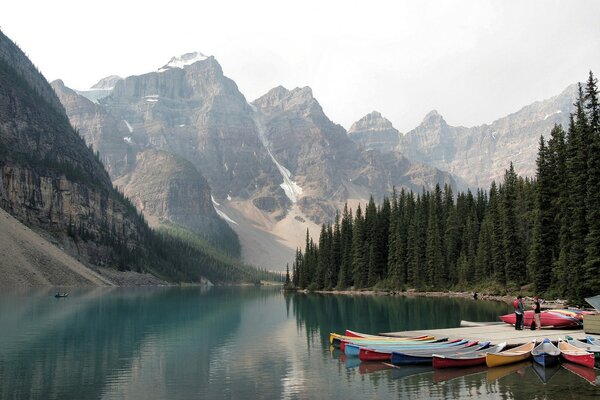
{"points": [[481, 154], [53, 183], [374, 132], [49, 178], [274, 167]]}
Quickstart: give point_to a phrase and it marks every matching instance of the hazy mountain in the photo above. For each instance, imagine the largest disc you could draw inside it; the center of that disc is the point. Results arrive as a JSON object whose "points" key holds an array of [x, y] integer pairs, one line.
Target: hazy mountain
{"points": [[481, 154], [374, 132]]}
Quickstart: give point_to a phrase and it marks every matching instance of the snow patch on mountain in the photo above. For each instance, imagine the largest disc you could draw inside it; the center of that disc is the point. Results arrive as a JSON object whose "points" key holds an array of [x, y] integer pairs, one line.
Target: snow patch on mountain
{"points": [[292, 190], [554, 113], [128, 126], [182, 61], [221, 213]]}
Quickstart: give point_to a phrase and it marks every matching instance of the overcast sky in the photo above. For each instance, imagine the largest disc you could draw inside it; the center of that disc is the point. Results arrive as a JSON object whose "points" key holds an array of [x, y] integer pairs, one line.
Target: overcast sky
{"points": [[473, 61]]}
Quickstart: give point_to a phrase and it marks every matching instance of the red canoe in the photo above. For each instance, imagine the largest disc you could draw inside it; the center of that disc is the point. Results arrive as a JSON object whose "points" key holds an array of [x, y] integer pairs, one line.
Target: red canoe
{"points": [[548, 319], [575, 354]]}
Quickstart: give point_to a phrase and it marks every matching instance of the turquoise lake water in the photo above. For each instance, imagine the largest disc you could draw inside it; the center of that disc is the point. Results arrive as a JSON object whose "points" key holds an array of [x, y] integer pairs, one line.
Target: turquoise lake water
{"points": [[239, 343]]}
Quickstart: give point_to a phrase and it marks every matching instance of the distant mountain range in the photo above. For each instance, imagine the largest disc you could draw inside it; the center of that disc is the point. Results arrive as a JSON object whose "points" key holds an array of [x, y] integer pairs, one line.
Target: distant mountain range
{"points": [[278, 165], [274, 167]]}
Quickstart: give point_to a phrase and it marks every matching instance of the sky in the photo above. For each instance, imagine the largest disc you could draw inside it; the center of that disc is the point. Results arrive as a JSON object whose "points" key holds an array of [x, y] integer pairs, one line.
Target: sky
{"points": [[473, 61]]}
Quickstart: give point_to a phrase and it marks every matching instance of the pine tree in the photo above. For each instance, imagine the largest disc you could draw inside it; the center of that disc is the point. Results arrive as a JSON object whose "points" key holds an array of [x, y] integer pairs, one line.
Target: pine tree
{"points": [[345, 278], [359, 261], [513, 252], [591, 276], [541, 254], [577, 169]]}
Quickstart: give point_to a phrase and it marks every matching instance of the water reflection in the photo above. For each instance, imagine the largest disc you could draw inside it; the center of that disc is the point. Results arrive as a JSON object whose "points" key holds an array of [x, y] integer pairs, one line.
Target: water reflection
{"points": [[237, 343]]}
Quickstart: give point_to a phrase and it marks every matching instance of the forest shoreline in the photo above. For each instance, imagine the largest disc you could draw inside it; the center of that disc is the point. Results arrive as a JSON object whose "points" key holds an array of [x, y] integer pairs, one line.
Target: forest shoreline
{"points": [[508, 299]]}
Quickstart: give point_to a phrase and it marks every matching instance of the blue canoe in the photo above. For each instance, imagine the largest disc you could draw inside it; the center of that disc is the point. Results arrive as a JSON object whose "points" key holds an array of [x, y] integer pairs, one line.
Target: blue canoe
{"points": [[546, 354]]}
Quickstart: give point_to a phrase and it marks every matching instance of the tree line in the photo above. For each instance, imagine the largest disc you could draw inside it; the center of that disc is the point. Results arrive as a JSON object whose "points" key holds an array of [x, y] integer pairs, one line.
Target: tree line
{"points": [[543, 232]]}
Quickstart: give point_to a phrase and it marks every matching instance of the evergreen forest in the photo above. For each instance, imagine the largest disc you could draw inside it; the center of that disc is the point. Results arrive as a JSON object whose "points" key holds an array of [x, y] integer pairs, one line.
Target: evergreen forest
{"points": [[539, 234]]}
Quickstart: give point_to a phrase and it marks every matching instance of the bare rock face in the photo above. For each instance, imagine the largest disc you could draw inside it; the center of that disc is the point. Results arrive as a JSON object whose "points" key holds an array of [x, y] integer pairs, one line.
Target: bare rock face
{"points": [[105, 134], [480, 154], [326, 164], [198, 114], [374, 132], [48, 177], [169, 189]]}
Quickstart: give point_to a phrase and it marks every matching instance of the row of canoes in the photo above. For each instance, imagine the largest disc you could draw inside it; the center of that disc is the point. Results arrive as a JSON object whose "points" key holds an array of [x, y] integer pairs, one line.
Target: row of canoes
{"points": [[443, 353]]}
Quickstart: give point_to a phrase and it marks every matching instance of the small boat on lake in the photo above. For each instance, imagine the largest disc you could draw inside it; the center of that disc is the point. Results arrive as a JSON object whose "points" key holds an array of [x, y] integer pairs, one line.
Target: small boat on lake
{"points": [[510, 356], [462, 359], [546, 354], [548, 319], [58, 294], [575, 354], [384, 353], [426, 356], [590, 346], [335, 338], [344, 344]]}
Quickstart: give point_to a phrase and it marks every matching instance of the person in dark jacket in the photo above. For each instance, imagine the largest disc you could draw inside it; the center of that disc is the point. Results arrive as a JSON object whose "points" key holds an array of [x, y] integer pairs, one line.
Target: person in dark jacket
{"points": [[519, 310], [537, 310]]}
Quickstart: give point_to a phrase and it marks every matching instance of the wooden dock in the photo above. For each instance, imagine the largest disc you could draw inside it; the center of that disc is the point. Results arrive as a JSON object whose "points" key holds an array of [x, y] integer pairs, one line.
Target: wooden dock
{"points": [[496, 334]]}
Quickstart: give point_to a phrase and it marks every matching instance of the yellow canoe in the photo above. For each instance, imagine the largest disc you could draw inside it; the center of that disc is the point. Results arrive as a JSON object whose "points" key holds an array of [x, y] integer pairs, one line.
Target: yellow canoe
{"points": [[510, 356], [333, 336]]}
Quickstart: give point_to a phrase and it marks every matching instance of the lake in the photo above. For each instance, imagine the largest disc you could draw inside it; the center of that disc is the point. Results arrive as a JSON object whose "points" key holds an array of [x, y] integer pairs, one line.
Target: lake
{"points": [[239, 343]]}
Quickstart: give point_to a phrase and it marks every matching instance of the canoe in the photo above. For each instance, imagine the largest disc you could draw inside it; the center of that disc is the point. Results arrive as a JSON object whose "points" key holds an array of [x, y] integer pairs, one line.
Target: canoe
{"points": [[344, 344], [548, 319], [592, 340], [341, 344], [546, 354], [571, 312], [383, 353], [510, 356], [575, 354], [590, 346], [462, 360], [336, 338], [426, 357], [545, 373]]}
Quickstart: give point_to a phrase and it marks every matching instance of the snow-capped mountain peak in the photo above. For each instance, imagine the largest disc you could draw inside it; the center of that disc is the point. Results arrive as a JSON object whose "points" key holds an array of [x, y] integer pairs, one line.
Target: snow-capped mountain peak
{"points": [[184, 60]]}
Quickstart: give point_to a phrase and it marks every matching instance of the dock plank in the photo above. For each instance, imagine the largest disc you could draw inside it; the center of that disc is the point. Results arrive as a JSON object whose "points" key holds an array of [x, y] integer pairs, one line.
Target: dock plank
{"points": [[494, 333]]}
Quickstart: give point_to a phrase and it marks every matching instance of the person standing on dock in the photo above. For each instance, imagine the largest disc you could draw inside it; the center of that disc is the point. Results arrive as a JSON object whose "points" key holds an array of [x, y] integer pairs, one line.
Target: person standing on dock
{"points": [[537, 310], [518, 304]]}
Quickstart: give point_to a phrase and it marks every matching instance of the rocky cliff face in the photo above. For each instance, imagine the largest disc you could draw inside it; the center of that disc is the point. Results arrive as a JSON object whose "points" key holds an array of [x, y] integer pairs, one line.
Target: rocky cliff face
{"points": [[107, 135], [480, 154], [48, 178], [374, 132], [197, 113]]}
